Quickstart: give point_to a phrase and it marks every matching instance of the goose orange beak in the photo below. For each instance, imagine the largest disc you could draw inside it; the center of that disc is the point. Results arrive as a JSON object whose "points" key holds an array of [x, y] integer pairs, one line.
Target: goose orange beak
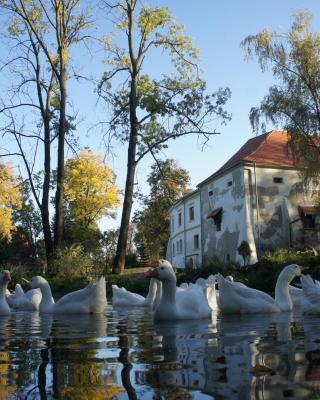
{"points": [[152, 273], [302, 268]]}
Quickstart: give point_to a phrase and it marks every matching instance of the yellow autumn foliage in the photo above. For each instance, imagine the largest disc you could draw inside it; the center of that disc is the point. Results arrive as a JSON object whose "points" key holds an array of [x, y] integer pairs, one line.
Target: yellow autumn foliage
{"points": [[90, 188], [9, 198]]}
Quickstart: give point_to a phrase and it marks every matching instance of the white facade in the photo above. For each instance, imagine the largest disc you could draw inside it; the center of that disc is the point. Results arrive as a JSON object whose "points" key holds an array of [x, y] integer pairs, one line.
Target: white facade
{"points": [[266, 205], [184, 247], [230, 194]]}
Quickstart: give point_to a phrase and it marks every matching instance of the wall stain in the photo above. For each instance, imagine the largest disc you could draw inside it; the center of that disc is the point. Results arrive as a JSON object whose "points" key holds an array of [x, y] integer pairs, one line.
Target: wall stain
{"points": [[238, 189]]}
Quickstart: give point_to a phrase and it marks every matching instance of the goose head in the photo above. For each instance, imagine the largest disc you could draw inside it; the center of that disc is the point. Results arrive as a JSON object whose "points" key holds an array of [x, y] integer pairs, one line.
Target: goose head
{"points": [[37, 282], [5, 277], [162, 271], [291, 271]]}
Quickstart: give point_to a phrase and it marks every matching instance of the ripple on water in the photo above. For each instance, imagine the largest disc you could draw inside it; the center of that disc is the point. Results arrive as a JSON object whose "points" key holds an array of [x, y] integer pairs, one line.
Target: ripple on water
{"points": [[125, 354]]}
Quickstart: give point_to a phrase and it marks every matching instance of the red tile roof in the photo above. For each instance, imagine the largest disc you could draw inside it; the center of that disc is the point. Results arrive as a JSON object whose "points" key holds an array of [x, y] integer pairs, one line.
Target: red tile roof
{"points": [[267, 149]]}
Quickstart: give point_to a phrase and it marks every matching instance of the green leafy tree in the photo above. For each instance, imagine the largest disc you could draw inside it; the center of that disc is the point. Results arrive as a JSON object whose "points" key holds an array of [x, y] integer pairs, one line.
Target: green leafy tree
{"points": [[28, 219], [167, 183], [109, 244], [245, 252], [149, 112], [293, 102]]}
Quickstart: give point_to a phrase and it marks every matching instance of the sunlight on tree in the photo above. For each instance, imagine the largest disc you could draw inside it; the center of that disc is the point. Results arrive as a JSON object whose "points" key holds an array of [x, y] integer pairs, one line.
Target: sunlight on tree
{"points": [[90, 188], [9, 199]]}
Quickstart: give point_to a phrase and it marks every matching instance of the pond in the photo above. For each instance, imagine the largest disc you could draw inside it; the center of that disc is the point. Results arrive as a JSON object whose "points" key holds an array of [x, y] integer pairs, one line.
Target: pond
{"points": [[125, 354]]}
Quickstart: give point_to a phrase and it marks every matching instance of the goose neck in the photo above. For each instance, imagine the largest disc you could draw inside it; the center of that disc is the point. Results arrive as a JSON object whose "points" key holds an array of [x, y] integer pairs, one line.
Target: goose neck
{"points": [[46, 293], [152, 291], [282, 296], [3, 288], [169, 291], [158, 294]]}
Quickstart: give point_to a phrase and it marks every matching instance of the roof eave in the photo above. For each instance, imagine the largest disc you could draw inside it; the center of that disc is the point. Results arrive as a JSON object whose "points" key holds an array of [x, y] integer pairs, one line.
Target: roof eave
{"points": [[247, 163]]}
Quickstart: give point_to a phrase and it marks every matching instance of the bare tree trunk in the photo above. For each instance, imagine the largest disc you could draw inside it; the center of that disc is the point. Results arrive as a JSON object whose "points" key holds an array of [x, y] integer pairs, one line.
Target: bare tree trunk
{"points": [[119, 260], [59, 217], [120, 257], [45, 196]]}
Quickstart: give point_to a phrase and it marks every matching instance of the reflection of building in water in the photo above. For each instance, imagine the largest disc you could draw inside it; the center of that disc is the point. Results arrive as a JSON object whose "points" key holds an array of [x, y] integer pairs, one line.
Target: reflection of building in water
{"points": [[190, 362], [262, 360]]}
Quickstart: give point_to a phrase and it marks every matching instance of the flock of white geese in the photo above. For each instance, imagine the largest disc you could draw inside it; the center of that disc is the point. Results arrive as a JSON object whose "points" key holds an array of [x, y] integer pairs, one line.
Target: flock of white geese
{"points": [[167, 300]]}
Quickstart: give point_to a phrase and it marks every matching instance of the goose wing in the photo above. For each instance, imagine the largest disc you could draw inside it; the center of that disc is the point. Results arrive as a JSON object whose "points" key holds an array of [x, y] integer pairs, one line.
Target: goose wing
{"points": [[91, 299], [311, 290], [122, 297], [248, 293]]}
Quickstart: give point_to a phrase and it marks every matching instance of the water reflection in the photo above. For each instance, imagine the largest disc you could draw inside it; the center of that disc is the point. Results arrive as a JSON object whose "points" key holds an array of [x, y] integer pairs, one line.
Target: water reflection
{"points": [[125, 354]]}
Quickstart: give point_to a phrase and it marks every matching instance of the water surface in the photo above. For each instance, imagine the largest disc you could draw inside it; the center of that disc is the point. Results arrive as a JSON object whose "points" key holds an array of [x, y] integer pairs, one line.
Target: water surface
{"points": [[125, 354]]}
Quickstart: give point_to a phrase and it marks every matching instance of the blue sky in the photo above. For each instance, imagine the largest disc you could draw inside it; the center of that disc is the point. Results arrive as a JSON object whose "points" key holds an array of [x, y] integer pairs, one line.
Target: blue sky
{"points": [[217, 28]]}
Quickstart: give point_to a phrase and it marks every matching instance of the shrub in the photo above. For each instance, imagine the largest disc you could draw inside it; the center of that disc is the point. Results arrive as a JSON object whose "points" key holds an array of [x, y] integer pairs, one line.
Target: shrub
{"points": [[245, 252], [137, 284], [215, 266], [17, 273], [131, 260], [263, 275], [74, 262]]}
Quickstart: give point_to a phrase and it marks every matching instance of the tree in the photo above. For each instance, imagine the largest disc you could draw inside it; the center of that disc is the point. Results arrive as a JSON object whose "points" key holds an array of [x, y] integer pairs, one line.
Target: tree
{"points": [[90, 194], [146, 112], [9, 199], [245, 252], [109, 242], [28, 219], [90, 189], [42, 33], [167, 183], [294, 102]]}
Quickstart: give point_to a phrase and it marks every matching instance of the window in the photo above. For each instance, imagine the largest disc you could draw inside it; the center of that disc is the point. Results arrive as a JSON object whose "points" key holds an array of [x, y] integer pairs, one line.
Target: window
{"points": [[179, 246], [179, 219], [229, 183], [216, 215], [196, 242], [217, 222], [173, 250], [191, 213], [172, 224], [277, 179], [308, 216], [210, 192]]}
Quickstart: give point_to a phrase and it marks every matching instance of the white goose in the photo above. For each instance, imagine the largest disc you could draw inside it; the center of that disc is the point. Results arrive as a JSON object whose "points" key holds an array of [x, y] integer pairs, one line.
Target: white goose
{"points": [[190, 303], [21, 300], [209, 288], [121, 297], [310, 303], [90, 300], [296, 295], [4, 280], [238, 298]]}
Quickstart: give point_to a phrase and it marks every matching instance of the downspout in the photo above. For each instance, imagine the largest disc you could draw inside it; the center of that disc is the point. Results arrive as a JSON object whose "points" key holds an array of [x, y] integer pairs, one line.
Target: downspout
{"points": [[290, 230], [248, 203], [201, 231], [184, 232], [257, 207]]}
